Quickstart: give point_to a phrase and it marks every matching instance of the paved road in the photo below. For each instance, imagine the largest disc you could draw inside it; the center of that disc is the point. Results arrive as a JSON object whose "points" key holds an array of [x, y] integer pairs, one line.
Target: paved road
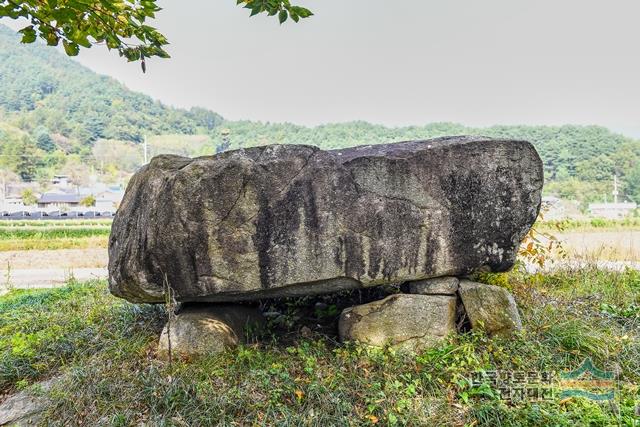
{"points": [[54, 258], [47, 278]]}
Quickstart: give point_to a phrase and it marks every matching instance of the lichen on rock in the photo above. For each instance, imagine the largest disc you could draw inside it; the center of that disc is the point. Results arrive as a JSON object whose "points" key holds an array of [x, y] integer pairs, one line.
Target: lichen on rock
{"points": [[288, 220], [404, 321]]}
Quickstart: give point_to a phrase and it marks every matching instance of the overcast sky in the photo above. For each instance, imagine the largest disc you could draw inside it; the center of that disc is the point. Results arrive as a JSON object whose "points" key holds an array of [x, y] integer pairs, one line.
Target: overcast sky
{"points": [[400, 62]]}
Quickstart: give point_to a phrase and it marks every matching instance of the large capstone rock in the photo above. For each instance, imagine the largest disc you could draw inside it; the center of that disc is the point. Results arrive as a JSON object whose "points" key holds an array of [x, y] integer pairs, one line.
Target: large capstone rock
{"points": [[407, 322], [287, 220]]}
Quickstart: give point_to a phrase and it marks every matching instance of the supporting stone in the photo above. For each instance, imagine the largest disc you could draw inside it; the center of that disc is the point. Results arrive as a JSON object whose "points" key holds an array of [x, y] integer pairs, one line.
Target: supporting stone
{"points": [[203, 329], [490, 308], [25, 408], [437, 286], [407, 322]]}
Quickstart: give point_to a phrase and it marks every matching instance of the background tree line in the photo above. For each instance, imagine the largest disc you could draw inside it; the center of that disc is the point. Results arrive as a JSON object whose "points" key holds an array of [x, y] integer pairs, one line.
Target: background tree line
{"points": [[57, 116]]}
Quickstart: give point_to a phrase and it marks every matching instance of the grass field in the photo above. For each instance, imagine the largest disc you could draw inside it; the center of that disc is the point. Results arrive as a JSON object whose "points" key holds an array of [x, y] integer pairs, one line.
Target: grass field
{"points": [[595, 224], [62, 258], [55, 223], [53, 243], [592, 239], [104, 348], [612, 245], [52, 235]]}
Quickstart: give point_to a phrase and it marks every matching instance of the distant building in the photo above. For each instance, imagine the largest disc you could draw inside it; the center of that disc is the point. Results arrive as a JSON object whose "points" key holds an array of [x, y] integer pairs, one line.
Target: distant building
{"points": [[552, 208], [611, 210], [615, 210], [108, 201], [60, 181], [556, 209], [12, 204], [11, 200], [59, 201]]}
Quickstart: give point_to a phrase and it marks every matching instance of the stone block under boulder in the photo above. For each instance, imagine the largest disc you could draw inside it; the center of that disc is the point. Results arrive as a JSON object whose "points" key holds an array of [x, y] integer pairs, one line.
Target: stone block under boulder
{"points": [[204, 329], [407, 322], [490, 308], [286, 220], [436, 286]]}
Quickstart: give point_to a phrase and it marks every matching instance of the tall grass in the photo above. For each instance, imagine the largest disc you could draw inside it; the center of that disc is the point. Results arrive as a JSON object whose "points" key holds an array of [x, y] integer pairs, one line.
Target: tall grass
{"points": [[599, 224], [53, 244], [55, 223], [104, 349], [52, 233], [29, 237]]}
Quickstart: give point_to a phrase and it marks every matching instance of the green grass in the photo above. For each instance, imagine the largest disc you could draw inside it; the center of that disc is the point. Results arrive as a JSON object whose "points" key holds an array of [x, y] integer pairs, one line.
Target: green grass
{"points": [[55, 235], [41, 330], [35, 233], [104, 348], [54, 244], [56, 223]]}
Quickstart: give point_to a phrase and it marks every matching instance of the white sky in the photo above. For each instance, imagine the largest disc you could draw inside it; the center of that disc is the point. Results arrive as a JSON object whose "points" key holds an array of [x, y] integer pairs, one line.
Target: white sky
{"points": [[400, 62]]}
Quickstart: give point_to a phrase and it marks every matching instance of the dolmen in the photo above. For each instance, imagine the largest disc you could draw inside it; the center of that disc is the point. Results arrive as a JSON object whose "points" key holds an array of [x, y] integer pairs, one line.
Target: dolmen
{"points": [[293, 220]]}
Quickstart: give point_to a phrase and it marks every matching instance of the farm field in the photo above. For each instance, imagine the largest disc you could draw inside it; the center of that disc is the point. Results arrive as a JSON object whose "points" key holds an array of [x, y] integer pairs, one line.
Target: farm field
{"points": [[44, 253], [53, 235], [95, 257], [597, 239], [612, 245], [75, 245]]}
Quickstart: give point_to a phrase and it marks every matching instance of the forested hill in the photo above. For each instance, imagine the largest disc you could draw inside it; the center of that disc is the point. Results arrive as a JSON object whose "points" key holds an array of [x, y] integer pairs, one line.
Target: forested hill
{"points": [[58, 116], [48, 90], [579, 161]]}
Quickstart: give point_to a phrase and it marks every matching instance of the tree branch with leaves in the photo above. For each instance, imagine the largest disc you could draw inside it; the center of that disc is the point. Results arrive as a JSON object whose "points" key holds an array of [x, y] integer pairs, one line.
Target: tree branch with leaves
{"points": [[119, 24]]}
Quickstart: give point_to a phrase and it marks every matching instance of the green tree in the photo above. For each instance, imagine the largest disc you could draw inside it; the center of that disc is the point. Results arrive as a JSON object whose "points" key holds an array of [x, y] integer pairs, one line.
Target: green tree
{"points": [[88, 201], [44, 140], [119, 24], [28, 197], [20, 156], [28, 161], [633, 184]]}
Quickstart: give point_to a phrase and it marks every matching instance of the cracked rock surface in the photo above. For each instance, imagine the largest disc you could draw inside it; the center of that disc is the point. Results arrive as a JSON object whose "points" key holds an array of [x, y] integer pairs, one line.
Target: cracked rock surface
{"points": [[436, 286], [287, 220], [25, 408], [490, 308]]}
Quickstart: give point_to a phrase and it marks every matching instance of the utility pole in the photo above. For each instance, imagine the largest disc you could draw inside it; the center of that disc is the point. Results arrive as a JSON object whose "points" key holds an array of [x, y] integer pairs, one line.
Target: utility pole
{"points": [[615, 188]]}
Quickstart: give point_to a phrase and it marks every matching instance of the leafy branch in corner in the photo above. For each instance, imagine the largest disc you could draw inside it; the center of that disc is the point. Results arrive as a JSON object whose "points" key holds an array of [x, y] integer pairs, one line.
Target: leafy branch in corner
{"points": [[119, 24], [538, 246], [282, 8]]}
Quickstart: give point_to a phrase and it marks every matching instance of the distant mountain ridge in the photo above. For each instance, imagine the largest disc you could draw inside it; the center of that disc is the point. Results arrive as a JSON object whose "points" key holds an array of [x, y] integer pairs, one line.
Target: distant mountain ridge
{"points": [[41, 86], [56, 114]]}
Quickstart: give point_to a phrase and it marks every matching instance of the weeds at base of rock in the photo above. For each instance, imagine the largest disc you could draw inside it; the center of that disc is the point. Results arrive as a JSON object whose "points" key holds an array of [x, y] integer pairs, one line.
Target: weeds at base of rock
{"points": [[105, 350]]}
